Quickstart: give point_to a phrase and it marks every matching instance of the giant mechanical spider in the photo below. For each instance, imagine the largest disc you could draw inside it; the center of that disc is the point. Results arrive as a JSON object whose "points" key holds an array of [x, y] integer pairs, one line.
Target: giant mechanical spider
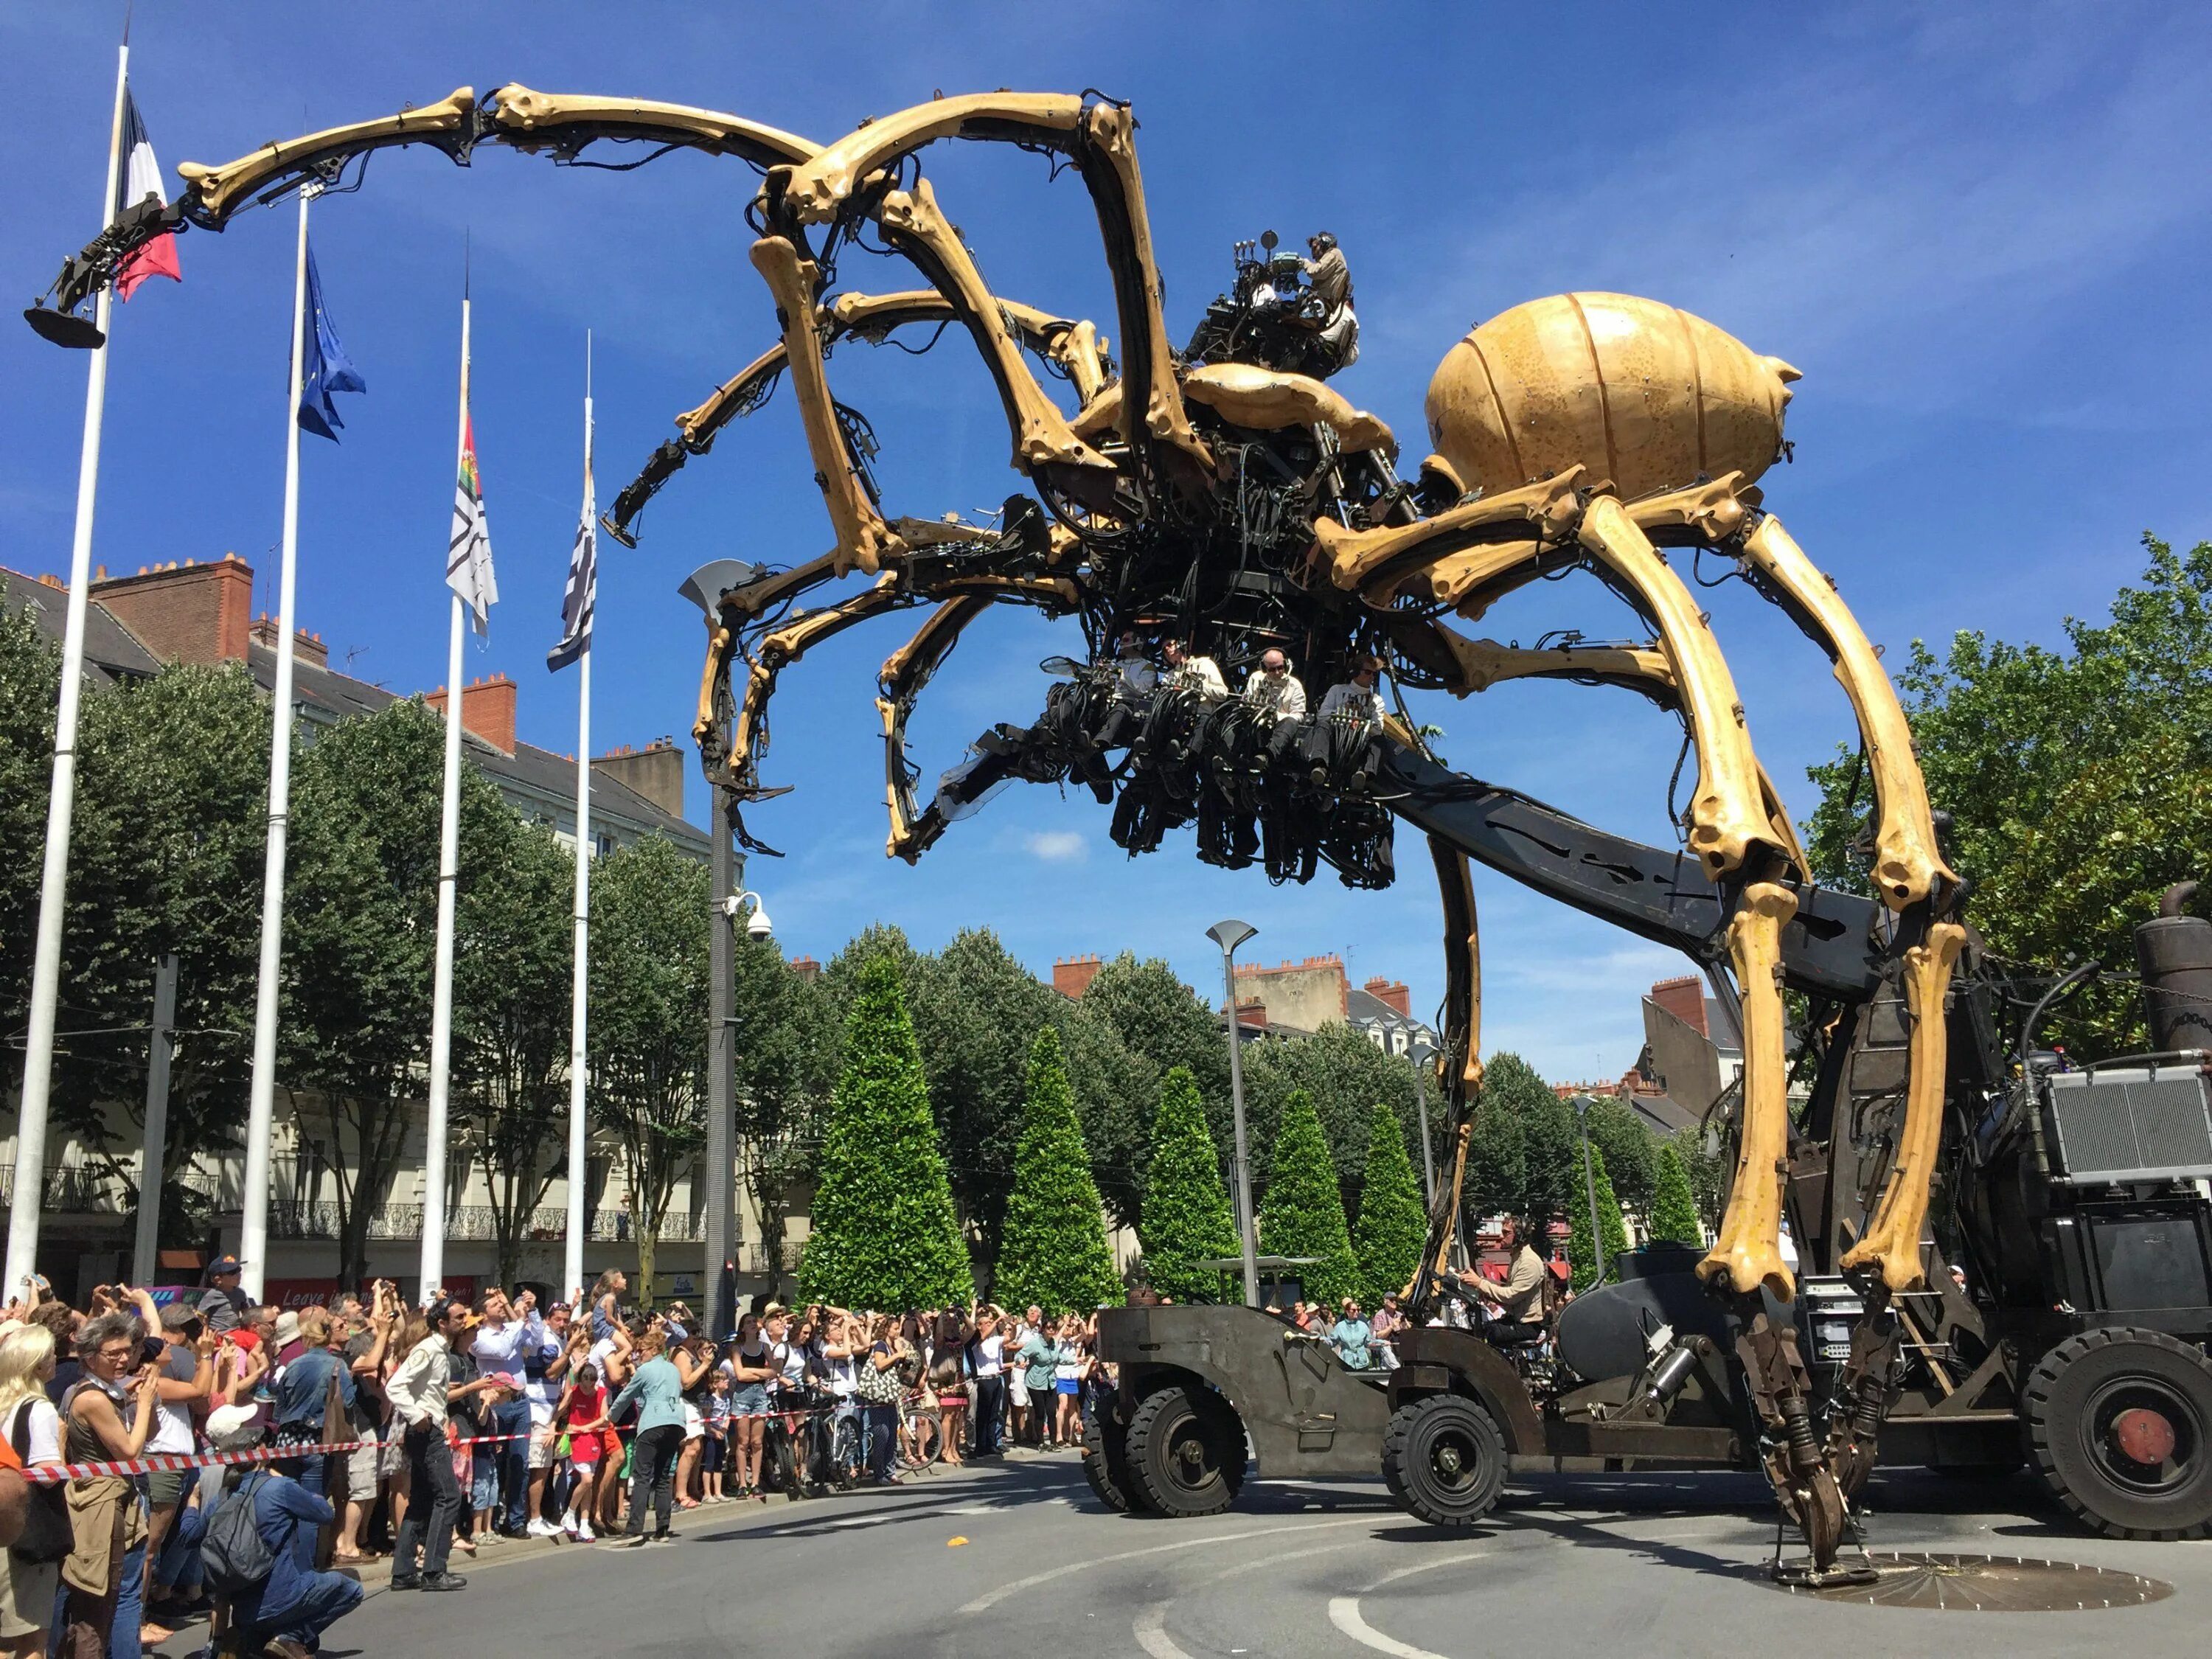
{"points": [[1220, 501]]}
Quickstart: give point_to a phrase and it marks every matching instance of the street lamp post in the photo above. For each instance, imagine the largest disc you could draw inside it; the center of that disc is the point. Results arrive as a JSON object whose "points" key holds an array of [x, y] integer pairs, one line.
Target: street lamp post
{"points": [[1589, 1181], [1228, 935], [704, 588]]}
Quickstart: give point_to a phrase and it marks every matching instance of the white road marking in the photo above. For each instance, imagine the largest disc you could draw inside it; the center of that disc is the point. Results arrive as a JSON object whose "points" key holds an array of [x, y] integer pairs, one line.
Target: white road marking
{"points": [[1149, 1627], [1344, 1613], [992, 1598], [1152, 1633]]}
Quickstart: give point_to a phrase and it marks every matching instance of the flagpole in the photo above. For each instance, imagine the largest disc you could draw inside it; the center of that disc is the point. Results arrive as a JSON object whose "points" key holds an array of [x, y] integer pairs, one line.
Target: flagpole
{"points": [[29, 1195], [578, 1226], [260, 1111], [449, 864]]}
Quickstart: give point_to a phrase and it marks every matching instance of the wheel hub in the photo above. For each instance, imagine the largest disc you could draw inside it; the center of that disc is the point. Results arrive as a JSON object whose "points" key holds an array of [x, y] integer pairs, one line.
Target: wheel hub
{"points": [[2143, 1436]]}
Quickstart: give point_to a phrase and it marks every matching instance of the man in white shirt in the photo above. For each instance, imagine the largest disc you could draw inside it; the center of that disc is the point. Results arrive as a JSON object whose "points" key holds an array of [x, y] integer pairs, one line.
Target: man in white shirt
{"points": [[1329, 279], [1189, 672], [1278, 700], [510, 1338], [421, 1391], [1345, 731]]}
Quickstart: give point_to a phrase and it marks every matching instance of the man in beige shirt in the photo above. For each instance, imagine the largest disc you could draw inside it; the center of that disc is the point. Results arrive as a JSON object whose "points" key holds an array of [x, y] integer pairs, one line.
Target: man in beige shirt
{"points": [[1520, 1299]]}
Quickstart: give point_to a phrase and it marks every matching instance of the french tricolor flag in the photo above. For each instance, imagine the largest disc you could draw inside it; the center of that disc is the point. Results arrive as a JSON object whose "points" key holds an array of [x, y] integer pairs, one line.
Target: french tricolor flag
{"points": [[141, 177]]}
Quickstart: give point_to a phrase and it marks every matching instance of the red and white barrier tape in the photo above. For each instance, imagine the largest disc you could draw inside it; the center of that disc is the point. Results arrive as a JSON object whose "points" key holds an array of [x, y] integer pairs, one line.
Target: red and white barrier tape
{"points": [[173, 1463]]}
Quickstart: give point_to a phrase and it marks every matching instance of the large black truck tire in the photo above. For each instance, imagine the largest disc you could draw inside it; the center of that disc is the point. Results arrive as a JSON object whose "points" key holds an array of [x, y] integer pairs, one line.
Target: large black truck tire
{"points": [[1445, 1460], [1184, 1453], [2118, 1424], [1106, 1462]]}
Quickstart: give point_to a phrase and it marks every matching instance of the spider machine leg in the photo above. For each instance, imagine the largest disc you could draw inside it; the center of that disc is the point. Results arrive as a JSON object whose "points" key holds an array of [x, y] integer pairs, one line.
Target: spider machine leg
{"points": [[1459, 1067]]}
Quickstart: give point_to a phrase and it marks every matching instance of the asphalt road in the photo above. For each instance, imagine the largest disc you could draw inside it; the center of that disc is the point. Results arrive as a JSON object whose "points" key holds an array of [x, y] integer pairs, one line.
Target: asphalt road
{"points": [[1020, 1560]]}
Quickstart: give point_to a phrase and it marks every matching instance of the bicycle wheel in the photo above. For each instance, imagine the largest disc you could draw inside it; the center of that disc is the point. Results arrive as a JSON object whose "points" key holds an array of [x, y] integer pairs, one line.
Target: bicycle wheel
{"points": [[847, 1451]]}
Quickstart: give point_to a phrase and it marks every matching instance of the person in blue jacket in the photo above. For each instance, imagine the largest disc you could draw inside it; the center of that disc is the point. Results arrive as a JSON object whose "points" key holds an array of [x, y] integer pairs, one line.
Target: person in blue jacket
{"points": [[287, 1612]]}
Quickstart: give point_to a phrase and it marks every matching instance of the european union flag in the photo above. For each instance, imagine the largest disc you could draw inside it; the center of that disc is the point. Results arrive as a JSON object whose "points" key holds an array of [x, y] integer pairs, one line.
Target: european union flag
{"points": [[326, 367]]}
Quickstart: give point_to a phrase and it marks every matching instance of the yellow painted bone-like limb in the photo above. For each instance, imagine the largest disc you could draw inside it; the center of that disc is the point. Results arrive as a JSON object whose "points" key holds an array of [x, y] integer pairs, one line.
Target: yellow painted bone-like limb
{"points": [[1378, 562], [1892, 1243], [815, 190], [1748, 1252], [787, 645], [903, 674], [526, 118], [863, 538], [1908, 868], [220, 188], [1478, 665], [862, 315], [1727, 814], [1269, 400], [1042, 437], [520, 118]]}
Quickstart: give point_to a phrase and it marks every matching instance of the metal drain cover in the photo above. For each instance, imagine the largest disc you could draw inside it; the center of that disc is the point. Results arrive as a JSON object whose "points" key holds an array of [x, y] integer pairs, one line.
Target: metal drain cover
{"points": [[1991, 1583]]}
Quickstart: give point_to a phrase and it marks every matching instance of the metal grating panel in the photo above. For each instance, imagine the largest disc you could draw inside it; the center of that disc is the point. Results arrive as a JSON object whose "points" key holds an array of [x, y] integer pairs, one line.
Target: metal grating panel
{"points": [[2137, 1124]]}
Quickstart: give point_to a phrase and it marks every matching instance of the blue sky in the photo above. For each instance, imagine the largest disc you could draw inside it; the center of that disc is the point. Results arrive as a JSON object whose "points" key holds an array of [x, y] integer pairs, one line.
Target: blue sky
{"points": [[1980, 232]]}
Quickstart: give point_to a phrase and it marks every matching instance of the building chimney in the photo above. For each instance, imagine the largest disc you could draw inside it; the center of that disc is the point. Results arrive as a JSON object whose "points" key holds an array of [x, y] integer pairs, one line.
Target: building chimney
{"points": [[1071, 975], [1394, 992], [188, 612], [806, 968], [1252, 1015], [1685, 998], [305, 647], [487, 710], [655, 772]]}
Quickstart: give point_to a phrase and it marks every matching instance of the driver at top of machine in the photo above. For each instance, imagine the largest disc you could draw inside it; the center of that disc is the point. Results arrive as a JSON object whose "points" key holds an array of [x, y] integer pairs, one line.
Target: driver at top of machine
{"points": [[1138, 675], [1274, 692], [1520, 1298], [1189, 671], [1357, 697], [1326, 274]]}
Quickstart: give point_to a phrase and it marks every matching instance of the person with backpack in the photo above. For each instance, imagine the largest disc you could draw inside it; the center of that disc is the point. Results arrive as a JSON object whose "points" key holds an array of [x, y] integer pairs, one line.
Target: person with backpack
{"points": [[30, 1428], [278, 1603]]}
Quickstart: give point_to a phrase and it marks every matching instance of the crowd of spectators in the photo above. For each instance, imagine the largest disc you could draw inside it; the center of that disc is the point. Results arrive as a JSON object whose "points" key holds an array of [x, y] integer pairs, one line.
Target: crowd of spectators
{"points": [[466, 1423]]}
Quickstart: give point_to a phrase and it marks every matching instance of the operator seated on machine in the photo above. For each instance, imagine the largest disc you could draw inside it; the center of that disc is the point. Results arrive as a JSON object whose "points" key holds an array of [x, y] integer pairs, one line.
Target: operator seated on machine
{"points": [[1194, 672], [1132, 691], [1346, 741], [1277, 702], [1330, 281], [1517, 1305]]}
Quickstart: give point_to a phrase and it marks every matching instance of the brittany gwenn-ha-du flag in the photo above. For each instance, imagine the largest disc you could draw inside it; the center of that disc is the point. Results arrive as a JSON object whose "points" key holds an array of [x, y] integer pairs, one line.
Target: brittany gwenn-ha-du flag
{"points": [[468, 554], [139, 178], [582, 595]]}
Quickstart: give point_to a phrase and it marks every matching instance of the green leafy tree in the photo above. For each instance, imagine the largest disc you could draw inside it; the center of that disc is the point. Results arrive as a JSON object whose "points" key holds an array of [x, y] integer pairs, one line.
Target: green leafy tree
{"points": [[1163, 1023], [1393, 1222], [786, 1030], [165, 857], [361, 921], [885, 1234], [1540, 1143], [1614, 1233], [514, 974], [1188, 1215], [1053, 1249], [1345, 1075], [2077, 780], [1708, 1170], [1674, 1209], [1304, 1212], [1631, 1150], [649, 986]]}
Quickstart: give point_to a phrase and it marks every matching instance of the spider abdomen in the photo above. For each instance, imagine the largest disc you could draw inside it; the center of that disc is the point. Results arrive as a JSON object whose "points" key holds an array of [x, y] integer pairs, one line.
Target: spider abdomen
{"points": [[1638, 392]]}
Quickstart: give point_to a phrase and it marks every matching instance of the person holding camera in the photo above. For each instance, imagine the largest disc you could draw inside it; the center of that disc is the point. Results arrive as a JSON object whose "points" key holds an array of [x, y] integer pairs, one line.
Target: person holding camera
{"points": [[421, 1391], [108, 1417]]}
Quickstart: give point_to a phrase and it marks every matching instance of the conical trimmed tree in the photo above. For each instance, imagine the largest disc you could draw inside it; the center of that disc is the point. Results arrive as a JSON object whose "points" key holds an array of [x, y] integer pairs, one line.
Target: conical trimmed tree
{"points": [[1303, 1213], [1052, 1250], [1674, 1208], [885, 1234], [1580, 1256], [1187, 1218], [1393, 1222]]}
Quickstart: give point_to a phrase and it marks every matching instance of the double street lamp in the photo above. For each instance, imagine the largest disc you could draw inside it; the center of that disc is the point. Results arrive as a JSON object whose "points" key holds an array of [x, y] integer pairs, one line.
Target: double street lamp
{"points": [[1228, 935]]}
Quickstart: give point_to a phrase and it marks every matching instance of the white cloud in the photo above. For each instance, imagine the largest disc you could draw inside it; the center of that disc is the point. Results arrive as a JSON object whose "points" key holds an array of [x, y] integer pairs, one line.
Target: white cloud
{"points": [[1057, 845]]}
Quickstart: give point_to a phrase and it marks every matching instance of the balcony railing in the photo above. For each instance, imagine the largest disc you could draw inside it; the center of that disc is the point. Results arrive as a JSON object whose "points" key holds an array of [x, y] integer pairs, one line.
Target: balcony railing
{"points": [[71, 1190], [473, 1223]]}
